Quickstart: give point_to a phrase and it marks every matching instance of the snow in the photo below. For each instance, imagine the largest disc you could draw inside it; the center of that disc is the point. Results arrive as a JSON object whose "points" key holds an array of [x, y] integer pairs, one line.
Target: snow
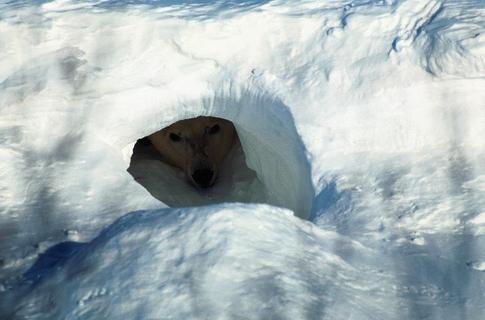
{"points": [[232, 278], [357, 191]]}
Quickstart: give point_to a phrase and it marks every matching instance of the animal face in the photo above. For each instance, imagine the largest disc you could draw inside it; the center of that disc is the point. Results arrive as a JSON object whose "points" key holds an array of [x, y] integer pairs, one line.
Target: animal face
{"points": [[197, 146]]}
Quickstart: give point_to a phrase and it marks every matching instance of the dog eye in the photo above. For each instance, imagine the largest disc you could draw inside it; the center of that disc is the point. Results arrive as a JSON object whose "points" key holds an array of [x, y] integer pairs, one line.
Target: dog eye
{"points": [[175, 137], [214, 129]]}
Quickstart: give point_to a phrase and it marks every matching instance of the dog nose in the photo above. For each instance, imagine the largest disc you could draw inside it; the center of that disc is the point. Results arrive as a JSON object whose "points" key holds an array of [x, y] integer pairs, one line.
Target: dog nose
{"points": [[203, 177]]}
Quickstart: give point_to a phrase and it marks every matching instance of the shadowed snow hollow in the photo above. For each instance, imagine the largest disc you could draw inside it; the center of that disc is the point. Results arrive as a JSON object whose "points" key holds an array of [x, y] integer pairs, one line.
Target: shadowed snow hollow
{"points": [[269, 145]]}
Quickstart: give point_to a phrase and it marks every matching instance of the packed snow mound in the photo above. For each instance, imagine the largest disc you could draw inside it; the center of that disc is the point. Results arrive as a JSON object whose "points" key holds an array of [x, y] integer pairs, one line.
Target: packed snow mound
{"points": [[238, 262], [212, 263]]}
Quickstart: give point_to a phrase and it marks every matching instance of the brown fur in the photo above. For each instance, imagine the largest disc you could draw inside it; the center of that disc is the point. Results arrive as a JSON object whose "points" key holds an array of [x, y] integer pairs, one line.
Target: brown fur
{"points": [[197, 146]]}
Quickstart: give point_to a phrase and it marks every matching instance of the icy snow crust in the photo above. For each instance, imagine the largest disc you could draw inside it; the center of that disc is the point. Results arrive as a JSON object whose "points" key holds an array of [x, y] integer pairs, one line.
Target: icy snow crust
{"points": [[366, 117]]}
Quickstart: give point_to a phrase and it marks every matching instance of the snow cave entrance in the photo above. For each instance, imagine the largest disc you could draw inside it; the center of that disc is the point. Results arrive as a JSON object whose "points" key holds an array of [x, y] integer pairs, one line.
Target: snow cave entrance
{"points": [[267, 164], [235, 183]]}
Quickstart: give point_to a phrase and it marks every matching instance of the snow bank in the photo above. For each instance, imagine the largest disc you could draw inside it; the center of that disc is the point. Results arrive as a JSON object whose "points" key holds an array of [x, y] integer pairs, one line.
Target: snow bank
{"points": [[218, 262], [240, 261]]}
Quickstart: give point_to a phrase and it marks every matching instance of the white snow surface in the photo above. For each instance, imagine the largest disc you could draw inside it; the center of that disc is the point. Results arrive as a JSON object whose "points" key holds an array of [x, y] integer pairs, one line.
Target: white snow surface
{"points": [[359, 181]]}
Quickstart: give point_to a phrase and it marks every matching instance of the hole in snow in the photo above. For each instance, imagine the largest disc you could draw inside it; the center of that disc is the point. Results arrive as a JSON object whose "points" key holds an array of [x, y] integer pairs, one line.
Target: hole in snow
{"points": [[173, 186], [267, 163]]}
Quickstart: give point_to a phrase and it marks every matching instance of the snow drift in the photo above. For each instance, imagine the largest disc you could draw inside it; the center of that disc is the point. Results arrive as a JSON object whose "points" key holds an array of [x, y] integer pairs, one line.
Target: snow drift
{"points": [[238, 270], [366, 117], [225, 262]]}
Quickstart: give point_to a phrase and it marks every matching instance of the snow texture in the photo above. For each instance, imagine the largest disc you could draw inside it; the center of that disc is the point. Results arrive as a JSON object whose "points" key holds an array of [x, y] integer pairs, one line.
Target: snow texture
{"points": [[357, 191]]}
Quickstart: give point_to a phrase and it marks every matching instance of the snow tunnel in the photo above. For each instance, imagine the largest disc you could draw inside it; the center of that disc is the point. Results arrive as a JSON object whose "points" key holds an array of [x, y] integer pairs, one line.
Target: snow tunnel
{"points": [[268, 163]]}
